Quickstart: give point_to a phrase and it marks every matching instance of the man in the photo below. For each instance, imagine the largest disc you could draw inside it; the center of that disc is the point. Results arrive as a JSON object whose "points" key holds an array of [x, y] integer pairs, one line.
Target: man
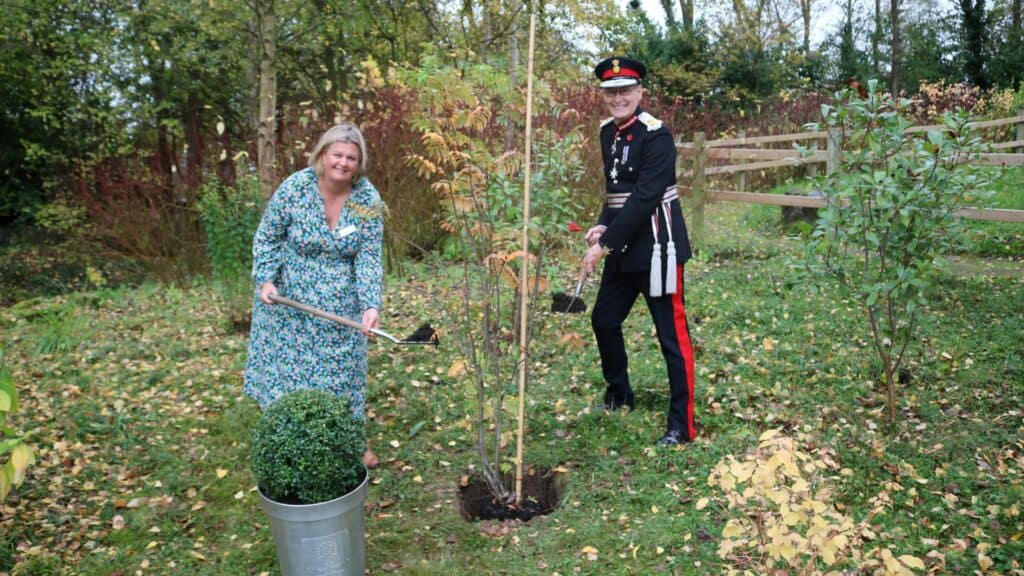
{"points": [[642, 236]]}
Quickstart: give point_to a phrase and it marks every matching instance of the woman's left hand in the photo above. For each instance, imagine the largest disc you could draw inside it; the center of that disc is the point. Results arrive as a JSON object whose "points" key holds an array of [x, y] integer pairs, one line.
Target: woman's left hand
{"points": [[371, 320]]}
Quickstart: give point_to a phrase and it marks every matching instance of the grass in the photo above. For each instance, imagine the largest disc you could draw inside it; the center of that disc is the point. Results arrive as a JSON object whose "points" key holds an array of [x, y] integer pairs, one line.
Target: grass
{"points": [[138, 417], [991, 240]]}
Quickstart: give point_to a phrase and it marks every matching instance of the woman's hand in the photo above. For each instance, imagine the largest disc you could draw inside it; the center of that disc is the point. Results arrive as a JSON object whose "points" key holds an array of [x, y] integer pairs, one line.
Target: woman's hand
{"points": [[371, 320], [266, 291], [594, 234]]}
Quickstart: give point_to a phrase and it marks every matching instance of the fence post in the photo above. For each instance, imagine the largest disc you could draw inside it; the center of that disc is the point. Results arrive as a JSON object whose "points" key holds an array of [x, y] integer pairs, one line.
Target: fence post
{"points": [[741, 177], [1020, 131], [835, 152], [812, 167], [699, 192]]}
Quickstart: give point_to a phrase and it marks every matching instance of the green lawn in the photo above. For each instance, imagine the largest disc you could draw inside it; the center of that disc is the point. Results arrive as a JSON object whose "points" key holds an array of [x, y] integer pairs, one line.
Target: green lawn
{"points": [[132, 398]]}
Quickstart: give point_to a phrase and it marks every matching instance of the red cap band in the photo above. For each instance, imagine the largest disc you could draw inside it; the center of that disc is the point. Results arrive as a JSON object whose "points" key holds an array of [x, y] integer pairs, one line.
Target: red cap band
{"points": [[622, 72]]}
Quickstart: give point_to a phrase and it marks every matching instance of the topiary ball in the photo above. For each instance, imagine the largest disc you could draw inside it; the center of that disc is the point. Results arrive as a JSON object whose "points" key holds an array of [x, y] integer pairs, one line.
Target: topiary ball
{"points": [[308, 448]]}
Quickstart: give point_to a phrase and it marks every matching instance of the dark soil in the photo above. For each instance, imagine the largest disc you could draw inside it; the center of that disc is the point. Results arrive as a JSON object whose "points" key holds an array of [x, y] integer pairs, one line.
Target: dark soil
{"points": [[423, 334], [542, 492], [565, 304], [241, 325]]}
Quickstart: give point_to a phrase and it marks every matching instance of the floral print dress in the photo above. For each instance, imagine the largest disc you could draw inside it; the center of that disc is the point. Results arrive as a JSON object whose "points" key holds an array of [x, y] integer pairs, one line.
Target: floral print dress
{"points": [[337, 270]]}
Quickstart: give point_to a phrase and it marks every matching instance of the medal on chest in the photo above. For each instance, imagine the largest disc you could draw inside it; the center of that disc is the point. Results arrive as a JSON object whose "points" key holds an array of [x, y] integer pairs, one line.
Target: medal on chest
{"points": [[614, 172]]}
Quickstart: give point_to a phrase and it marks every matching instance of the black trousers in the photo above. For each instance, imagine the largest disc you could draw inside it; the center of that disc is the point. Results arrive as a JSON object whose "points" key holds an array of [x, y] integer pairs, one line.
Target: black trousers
{"points": [[615, 298]]}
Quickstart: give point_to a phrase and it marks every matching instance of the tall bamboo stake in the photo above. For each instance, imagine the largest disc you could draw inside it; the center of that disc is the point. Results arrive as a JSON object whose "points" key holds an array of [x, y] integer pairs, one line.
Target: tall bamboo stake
{"points": [[524, 293]]}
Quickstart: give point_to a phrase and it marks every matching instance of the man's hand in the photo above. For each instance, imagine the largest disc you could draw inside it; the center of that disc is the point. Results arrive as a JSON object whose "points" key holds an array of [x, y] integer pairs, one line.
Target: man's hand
{"points": [[266, 291], [593, 255], [594, 234]]}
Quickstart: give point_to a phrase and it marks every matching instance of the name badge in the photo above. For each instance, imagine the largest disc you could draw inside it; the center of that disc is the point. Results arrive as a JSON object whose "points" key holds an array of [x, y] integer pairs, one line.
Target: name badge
{"points": [[346, 231]]}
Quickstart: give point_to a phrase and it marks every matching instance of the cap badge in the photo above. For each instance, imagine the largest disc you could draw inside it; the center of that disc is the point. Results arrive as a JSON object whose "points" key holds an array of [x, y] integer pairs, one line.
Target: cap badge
{"points": [[615, 66]]}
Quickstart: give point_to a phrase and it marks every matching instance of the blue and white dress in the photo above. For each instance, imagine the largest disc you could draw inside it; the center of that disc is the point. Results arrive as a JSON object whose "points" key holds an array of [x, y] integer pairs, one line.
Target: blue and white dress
{"points": [[337, 270]]}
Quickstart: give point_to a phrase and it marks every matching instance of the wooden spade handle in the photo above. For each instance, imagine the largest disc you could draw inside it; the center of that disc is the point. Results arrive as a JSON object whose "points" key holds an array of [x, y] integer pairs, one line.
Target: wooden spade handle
{"points": [[332, 317], [317, 312]]}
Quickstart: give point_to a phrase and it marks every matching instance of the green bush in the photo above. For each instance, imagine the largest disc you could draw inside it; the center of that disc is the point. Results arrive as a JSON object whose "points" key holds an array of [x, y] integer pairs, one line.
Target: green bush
{"points": [[15, 454], [230, 216], [66, 219], [891, 212], [308, 448]]}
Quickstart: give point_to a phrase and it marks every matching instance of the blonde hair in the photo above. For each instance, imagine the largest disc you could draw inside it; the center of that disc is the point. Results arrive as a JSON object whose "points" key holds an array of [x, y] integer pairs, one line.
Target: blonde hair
{"points": [[347, 133]]}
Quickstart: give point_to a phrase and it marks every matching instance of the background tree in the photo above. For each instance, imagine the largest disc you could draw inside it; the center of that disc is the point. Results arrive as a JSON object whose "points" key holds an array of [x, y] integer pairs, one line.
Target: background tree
{"points": [[61, 110], [1007, 44], [895, 47], [265, 29], [928, 45], [974, 41], [850, 63]]}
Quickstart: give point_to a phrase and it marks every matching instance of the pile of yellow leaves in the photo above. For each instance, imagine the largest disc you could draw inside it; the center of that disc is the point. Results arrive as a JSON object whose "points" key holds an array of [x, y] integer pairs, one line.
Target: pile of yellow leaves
{"points": [[779, 499]]}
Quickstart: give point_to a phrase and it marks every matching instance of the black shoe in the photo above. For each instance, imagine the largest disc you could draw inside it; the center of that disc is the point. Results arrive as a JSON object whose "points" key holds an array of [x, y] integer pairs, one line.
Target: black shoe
{"points": [[672, 438], [614, 402]]}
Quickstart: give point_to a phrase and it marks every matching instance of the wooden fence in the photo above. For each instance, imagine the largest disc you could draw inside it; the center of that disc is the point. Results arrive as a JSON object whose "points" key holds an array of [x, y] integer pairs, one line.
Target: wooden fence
{"points": [[748, 155]]}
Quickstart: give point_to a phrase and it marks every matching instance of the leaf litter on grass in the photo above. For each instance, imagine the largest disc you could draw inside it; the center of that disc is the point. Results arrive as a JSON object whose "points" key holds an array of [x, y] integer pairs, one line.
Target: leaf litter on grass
{"points": [[143, 444]]}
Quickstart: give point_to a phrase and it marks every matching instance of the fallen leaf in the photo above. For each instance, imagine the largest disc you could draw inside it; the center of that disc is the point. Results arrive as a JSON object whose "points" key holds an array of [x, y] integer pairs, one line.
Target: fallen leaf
{"points": [[457, 369]]}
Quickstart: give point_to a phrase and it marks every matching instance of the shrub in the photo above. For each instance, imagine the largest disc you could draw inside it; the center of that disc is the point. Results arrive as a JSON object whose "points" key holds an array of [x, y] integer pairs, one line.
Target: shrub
{"points": [[230, 216], [12, 473], [308, 448], [65, 218], [890, 212]]}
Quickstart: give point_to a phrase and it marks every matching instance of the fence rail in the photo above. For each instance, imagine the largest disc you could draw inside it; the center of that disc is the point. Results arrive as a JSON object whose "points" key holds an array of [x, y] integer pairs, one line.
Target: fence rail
{"points": [[716, 195], [744, 160]]}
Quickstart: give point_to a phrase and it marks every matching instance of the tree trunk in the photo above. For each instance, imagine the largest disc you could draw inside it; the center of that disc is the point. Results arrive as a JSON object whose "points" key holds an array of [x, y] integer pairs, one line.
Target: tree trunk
{"points": [[876, 39], [266, 26], [194, 139], [164, 154], [338, 81], [514, 59], [805, 14], [894, 73], [687, 8], [670, 13]]}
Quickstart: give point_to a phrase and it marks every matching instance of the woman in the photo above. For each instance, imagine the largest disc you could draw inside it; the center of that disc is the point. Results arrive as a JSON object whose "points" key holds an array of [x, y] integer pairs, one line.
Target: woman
{"points": [[319, 243]]}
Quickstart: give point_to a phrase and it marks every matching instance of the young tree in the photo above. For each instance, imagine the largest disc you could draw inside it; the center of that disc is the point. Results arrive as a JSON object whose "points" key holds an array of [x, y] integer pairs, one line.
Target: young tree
{"points": [[889, 213], [480, 184]]}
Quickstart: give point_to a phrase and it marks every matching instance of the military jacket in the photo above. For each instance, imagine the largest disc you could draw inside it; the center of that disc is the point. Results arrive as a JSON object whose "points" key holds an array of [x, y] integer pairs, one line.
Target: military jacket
{"points": [[640, 179]]}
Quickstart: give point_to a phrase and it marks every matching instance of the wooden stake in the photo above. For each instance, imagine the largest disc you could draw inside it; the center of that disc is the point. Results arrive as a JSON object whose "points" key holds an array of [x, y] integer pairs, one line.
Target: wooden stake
{"points": [[524, 293]]}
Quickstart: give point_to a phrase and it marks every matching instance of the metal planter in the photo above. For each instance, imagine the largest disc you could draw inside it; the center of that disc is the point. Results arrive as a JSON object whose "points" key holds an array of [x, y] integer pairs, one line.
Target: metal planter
{"points": [[324, 539]]}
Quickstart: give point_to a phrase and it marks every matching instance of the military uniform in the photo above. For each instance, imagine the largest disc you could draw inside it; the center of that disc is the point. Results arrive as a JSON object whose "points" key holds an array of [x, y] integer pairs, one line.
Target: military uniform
{"points": [[647, 245]]}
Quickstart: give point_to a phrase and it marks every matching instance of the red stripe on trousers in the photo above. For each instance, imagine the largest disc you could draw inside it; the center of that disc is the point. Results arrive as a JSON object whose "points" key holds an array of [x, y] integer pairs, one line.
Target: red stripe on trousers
{"points": [[685, 348]]}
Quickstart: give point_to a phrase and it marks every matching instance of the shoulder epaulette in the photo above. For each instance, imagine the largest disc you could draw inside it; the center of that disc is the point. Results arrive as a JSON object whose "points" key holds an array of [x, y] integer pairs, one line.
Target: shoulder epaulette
{"points": [[606, 121], [651, 122]]}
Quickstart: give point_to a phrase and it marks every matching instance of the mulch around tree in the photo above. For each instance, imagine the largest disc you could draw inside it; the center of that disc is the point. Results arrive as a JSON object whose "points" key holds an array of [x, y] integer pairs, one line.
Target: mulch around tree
{"points": [[542, 493]]}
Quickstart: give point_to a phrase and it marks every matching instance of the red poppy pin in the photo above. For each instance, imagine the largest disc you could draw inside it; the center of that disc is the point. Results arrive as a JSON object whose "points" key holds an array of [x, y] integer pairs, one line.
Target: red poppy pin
{"points": [[629, 137], [574, 227]]}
